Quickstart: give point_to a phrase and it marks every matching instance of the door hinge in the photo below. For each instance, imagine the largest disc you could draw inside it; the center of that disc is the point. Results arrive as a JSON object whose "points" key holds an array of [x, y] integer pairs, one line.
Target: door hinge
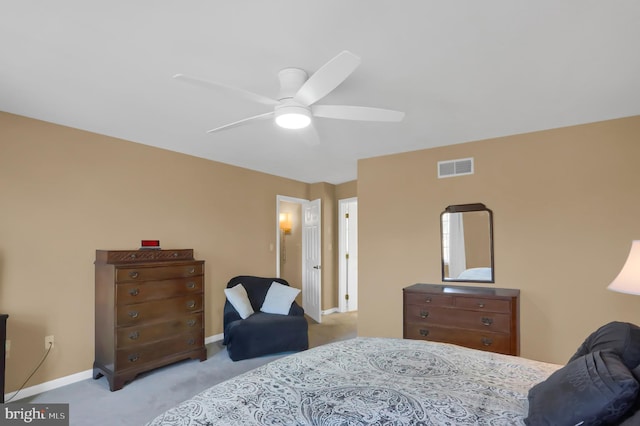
{"points": [[346, 215], [346, 256], [346, 297]]}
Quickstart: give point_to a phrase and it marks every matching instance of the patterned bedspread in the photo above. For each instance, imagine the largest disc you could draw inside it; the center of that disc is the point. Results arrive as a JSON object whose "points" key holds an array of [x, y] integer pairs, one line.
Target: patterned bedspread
{"points": [[371, 381]]}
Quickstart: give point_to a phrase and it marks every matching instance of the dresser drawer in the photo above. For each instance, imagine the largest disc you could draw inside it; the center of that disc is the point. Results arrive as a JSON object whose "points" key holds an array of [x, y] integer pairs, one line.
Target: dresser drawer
{"points": [[486, 341], [490, 321], [428, 299], [136, 357], [127, 293], [140, 335], [483, 304], [157, 310], [159, 273]]}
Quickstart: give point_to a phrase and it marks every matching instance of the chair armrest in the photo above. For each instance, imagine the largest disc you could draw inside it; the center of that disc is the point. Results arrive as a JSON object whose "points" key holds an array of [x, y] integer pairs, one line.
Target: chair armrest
{"points": [[296, 310], [229, 314]]}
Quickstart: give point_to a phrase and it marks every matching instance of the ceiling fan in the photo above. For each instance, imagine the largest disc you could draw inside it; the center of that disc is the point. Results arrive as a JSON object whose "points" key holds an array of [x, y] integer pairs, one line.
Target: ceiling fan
{"points": [[296, 101]]}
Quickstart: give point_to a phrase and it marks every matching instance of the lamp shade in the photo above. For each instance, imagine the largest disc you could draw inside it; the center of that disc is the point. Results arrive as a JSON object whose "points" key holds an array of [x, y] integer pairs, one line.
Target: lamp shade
{"points": [[628, 280], [285, 222]]}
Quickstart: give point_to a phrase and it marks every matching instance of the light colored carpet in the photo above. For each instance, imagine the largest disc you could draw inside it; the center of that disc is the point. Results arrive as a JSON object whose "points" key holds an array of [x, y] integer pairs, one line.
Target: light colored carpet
{"points": [[91, 402]]}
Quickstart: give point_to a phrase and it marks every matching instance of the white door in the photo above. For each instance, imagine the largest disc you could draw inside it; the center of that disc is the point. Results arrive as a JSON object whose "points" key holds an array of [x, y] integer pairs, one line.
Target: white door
{"points": [[311, 273], [348, 255]]}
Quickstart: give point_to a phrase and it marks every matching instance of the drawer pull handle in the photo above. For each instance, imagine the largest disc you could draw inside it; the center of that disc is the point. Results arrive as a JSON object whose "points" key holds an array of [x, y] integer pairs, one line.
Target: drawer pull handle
{"points": [[427, 300], [191, 304], [191, 322], [175, 254], [133, 274], [192, 270], [191, 284], [133, 314], [480, 305], [134, 357], [424, 332], [132, 255], [191, 341], [486, 341], [424, 314], [134, 335], [487, 321], [134, 291]]}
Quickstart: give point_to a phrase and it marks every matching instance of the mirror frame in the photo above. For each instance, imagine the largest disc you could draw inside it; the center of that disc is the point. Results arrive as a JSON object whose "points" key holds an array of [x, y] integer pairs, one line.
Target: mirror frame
{"points": [[462, 208]]}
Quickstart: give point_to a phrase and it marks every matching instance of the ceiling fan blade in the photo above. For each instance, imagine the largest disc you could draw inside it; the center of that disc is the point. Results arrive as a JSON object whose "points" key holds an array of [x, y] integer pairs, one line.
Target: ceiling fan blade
{"points": [[347, 112], [327, 78], [244, 121], [254, 97]]}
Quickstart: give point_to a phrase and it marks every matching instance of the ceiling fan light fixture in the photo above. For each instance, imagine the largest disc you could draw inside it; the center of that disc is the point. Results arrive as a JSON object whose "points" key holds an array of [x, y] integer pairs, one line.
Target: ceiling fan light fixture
{"points": [[293, 117]]}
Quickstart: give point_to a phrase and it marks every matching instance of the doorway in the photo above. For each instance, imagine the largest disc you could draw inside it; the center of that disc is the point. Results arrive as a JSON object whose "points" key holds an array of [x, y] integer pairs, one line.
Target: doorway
{"points": [[348, 255], [298, 249]]}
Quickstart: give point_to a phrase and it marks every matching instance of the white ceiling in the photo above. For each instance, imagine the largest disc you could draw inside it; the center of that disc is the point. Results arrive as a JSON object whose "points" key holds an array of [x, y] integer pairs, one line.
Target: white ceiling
{"points": [[461, 70]]}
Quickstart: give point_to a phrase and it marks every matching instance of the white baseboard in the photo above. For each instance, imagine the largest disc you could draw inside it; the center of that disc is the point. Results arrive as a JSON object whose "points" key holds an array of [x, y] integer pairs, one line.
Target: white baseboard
{"points": [[50, 385], [330, 311], [73, 378], [214, 338]]}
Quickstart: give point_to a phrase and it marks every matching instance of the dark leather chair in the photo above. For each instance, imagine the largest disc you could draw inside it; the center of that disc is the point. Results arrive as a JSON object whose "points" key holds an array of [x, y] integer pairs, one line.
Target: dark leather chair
{"points": [[262, 333]]}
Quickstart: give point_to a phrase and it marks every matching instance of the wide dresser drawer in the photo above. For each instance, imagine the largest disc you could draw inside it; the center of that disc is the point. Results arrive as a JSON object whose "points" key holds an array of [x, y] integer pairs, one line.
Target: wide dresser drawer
{"points": [[157, 310], [140, 335], [461, 318], [136, 357], [487, 341], [146, 272], [133, 292]]}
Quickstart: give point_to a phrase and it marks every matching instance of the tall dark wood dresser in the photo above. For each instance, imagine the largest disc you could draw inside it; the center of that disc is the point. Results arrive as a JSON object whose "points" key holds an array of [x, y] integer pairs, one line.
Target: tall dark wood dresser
{"points": [[149, 311], [483, 318]]}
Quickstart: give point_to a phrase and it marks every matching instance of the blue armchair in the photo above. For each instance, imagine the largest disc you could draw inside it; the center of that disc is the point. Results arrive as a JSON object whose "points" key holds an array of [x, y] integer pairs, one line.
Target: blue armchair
{"points": [[262, 333]]}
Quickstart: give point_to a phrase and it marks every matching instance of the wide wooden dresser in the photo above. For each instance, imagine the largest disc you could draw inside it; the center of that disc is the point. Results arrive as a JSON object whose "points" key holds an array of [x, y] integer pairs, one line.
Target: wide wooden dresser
{"points": [[476, 317], [149, 311]]}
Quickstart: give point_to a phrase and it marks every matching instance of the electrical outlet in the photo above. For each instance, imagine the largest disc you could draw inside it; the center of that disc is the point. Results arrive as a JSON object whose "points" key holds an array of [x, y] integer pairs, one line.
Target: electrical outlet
{"points": [[48, 342], [7, 349]]}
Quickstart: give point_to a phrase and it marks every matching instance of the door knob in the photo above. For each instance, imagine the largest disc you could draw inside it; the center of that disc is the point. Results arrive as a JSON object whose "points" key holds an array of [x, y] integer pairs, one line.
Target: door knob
{"points": [[316, 267]]}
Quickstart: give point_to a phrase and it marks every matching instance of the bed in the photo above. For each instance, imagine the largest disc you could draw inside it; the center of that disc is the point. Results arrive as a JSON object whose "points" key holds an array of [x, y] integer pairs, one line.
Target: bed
{"points": [[371, 381]]}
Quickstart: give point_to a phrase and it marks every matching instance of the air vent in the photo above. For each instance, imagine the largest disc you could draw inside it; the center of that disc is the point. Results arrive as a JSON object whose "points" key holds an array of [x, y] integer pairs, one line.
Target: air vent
{"points": [[463, 166]]}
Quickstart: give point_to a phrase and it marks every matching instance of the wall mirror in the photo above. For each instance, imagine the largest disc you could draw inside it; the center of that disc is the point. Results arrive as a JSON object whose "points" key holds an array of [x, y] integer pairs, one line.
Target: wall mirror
{"points": [[466, 232]]}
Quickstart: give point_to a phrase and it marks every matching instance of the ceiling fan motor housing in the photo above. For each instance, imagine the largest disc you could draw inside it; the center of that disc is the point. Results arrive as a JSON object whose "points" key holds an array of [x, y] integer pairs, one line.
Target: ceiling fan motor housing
{"points": [[291, 80]]}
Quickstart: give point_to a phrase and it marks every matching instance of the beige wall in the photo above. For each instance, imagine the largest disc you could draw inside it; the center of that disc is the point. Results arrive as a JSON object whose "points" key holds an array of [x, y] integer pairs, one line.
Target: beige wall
{"points": [[566, 208], [65, 193], [347, 190]]}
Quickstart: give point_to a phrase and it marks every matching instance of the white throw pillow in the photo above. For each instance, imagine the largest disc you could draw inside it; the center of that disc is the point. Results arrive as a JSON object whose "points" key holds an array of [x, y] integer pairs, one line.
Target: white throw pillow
{"points": [[279, 299], [237, 296]]}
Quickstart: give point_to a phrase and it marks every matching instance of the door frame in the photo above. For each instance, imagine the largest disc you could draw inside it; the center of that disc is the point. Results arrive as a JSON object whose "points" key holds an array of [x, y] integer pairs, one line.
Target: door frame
{"points": [[342, 264]]}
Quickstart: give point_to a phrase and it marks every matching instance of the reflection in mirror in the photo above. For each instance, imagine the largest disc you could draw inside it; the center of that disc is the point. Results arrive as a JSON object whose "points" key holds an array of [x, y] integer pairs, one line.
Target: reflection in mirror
{"points": [[467, 243]]}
